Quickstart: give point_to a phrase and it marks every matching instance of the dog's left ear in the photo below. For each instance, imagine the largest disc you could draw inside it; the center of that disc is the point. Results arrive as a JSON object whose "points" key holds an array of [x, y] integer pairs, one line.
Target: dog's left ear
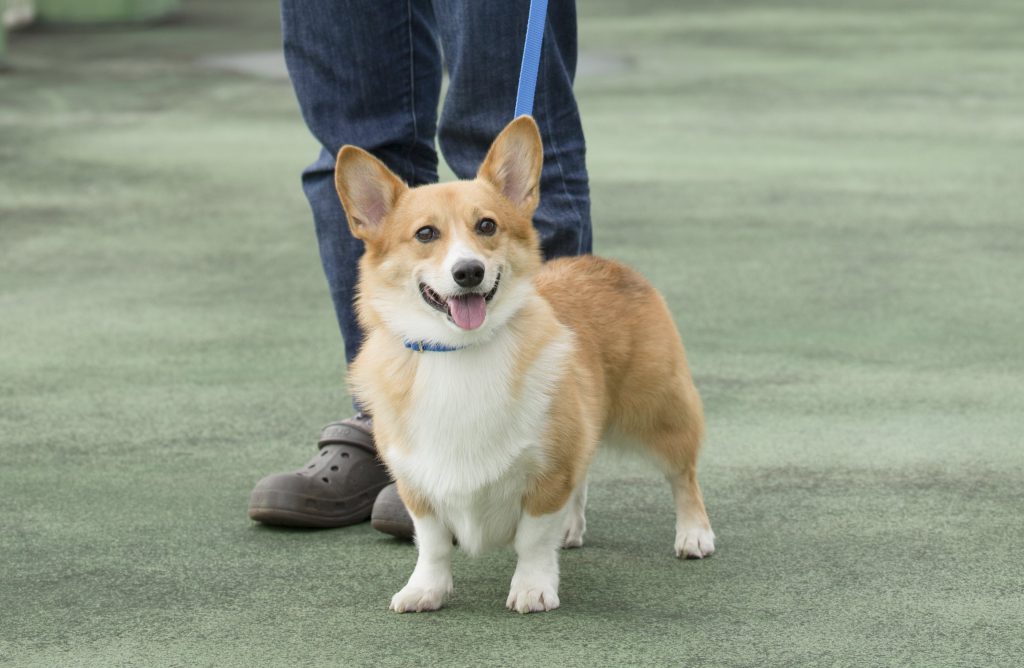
{"points": [[514, 162]]}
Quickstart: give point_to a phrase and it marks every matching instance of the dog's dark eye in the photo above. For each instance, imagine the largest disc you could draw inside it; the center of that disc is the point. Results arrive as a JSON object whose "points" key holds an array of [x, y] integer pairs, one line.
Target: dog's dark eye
{"points": [[486, 227], [427, 233]]}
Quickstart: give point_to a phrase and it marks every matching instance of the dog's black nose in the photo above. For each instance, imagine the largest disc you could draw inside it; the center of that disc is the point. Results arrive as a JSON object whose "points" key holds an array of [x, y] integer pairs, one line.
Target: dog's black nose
{"points": [[468, 273]]}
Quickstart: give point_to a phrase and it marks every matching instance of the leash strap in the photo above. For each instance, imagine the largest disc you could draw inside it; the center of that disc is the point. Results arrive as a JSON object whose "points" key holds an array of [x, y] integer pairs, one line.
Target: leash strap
{"points": [[531, 58]]}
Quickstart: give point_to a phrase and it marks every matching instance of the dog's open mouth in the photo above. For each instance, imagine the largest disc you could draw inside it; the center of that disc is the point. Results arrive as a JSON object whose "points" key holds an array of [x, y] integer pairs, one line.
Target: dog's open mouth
{"points": [[467, 310]]}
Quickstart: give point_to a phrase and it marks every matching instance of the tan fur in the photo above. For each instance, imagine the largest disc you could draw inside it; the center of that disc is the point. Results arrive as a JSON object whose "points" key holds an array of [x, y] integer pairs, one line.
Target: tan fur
{"points": [[628, 367], [630, 372], [416, 503]]}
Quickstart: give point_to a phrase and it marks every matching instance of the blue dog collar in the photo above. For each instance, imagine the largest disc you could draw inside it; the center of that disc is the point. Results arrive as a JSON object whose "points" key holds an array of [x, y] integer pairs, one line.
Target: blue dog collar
{"points": [[428, 347]]}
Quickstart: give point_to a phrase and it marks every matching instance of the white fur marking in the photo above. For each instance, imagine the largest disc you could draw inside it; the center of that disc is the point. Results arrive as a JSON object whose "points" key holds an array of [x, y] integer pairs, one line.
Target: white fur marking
{"points": [[535, 583], [458, 251], [471, 444], [431, 581], [693, 542]]}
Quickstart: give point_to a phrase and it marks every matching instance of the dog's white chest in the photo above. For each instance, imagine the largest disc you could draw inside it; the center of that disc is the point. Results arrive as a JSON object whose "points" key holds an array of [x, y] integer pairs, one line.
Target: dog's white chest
{"points": [[474, 434]]}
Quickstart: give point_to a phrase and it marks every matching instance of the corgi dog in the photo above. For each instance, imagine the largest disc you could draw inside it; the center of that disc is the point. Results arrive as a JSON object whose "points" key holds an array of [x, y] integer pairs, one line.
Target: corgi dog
{"points": [[492, 376]]}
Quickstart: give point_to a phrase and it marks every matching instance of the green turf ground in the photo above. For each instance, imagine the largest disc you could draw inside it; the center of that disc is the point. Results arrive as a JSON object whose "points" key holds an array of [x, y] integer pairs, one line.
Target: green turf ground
{"points": [[829, 196]]}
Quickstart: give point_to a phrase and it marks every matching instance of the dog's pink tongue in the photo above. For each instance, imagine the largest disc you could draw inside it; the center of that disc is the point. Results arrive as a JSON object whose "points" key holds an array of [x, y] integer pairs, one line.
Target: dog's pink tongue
{"points": [[468, 311]]}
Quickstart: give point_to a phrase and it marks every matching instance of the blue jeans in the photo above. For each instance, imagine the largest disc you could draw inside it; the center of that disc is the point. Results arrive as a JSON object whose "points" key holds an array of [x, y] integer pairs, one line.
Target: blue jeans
{"points": [[368, 73]]}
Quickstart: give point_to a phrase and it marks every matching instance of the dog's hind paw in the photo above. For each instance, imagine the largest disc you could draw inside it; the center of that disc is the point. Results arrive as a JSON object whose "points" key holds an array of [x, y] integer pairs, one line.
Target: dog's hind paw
{"points": [[695, 543]]}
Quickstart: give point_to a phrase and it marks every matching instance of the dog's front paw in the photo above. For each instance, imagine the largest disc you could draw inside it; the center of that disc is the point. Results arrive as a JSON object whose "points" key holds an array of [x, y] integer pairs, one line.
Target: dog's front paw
{"points": [[532, 595], [695, 543], [414, 598]]}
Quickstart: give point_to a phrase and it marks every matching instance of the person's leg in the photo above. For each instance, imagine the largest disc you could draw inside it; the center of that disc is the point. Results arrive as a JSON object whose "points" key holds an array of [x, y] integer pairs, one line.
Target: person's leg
{"points": [[367, 74], [483, 48]]}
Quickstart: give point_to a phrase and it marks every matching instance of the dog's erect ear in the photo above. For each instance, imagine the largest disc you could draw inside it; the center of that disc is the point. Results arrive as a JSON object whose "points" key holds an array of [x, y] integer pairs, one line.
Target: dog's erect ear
{"points": [[514, 162], [367, 188]]}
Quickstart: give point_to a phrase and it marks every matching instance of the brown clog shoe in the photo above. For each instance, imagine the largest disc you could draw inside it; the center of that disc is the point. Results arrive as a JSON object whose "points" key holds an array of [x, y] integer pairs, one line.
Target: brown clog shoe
{"points": [[335, 488]]}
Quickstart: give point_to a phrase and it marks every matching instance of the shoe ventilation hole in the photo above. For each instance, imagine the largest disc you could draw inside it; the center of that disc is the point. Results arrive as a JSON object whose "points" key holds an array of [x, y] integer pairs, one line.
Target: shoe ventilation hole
{"points": [[325, 479], [323, 452], [344, 454], [334, 468], [311, 466]]}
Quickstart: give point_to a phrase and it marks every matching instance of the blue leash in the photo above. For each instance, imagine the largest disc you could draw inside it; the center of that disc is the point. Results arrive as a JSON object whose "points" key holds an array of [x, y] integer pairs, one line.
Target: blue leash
{"points": [[524, 107], [531, 58]]}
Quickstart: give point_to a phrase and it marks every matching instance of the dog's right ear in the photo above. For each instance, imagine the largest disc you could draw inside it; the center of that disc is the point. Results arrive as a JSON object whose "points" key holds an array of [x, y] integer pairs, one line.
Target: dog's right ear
{"points": [[367, 188]]}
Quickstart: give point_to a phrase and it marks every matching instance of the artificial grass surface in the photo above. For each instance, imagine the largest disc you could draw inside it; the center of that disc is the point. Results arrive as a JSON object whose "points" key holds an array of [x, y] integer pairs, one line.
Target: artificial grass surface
{"points": [[829, 197]]}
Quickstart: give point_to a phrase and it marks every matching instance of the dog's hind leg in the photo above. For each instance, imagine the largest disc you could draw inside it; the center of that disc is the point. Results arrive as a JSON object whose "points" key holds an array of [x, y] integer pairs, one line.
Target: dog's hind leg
{"points": [[575, 518], [674, 438], [694, 537]]}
